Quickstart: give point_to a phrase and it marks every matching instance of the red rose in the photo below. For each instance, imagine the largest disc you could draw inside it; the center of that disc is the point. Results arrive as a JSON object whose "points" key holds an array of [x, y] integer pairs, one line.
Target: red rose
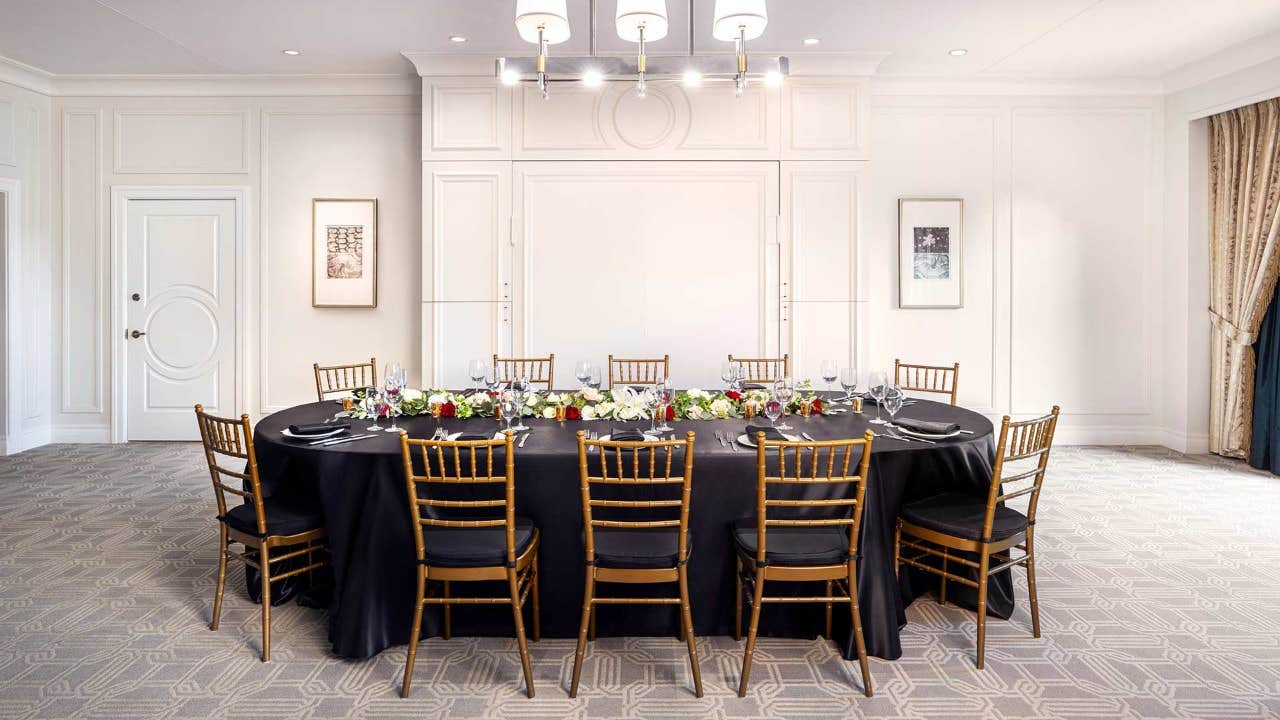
{"points": [[817, 405], [448, 410], [572, 413], [733, 395], [671, 413]]}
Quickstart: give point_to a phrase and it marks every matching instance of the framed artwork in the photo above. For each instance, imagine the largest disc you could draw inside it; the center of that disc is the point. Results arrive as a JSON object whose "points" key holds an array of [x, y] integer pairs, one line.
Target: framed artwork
{"points": [[344, 252], [930, 261]]}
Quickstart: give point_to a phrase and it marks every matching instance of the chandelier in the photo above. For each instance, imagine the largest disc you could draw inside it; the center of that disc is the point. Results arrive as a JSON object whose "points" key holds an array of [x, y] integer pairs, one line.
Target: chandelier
{"points": [[546, 22]]}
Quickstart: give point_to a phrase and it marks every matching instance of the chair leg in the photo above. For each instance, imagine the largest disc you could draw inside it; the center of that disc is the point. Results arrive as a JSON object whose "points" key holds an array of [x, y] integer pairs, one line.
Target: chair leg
{"points": [[737, 602], [222, 575], [897, 548], [686, 625], [751, 631], [983, 564], [537, 603], [266, 604], [591, 631], [587, 595], [1031, 586], [447, 630], [855, 616], [518, 614], [942, 590], [827, 635], [414, 632]]}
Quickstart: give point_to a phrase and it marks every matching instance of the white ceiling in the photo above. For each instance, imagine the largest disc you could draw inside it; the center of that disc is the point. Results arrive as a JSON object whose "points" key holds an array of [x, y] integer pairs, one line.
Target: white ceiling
{"points": [[1007, 38]]}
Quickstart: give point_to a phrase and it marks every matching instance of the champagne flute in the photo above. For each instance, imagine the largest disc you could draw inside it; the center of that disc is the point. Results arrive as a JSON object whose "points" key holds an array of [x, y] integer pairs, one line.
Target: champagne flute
{"points": [[655, 404], [829, 373], [879, 386], [372, 404], [848, 382], [477, 370], [393, 392], [665, 395], [582, 371], [521, 387], [784, 391]]}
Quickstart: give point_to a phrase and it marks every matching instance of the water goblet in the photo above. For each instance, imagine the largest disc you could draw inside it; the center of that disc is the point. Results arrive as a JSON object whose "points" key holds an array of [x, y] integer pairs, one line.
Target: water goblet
{"points": [[582, 371], [829, 373], [773, 411], [520, 385], [878, 384], [893, 400], [848, 382], [477, 370], [510, 403], [784, 391], [728, 373], [594, 381], [372, 405]]}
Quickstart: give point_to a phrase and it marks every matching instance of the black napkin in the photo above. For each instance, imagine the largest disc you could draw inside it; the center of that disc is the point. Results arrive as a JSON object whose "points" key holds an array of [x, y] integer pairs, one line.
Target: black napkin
{"points": [[626, 435], [926, 426], [317, 428], [770, 433], [753, 386], [472, 436]]}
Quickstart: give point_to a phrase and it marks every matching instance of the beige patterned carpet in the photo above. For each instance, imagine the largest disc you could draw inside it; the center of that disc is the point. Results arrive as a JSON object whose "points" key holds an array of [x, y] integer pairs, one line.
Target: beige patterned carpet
{"points": [[1160, 579]]}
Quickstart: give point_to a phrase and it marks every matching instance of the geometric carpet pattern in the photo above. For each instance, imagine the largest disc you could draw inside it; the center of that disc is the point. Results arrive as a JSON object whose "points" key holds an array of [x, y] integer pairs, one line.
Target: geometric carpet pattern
{"points": [[1159, 589]]}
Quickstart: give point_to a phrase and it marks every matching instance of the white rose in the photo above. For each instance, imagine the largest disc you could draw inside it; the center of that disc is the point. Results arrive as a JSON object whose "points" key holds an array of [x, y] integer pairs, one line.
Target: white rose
{"points": [[438, 399], [588, 412], [531, 400], [697, 393], [720, 407], [548, 412], [604, 409], [695, 412], [410, 394], [553, 398], [591, 395], [478, 399]]}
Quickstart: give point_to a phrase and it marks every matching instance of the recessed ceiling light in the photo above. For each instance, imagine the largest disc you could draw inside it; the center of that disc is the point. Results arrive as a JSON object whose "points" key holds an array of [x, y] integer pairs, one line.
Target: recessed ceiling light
{"points": [[291, 52], [957, 52], [811, 41], [457, 38]]}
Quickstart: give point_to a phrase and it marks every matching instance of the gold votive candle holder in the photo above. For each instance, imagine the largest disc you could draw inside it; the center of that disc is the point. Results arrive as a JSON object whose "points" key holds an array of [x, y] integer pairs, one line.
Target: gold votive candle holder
{"points": [[857, 404]]}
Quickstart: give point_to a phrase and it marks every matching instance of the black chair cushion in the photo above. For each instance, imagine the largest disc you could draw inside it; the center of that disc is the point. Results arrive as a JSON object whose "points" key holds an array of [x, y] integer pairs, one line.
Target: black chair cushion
{"points": [[639, 549], [794, 545], [474, 547], [282, 518], [961, 515]]}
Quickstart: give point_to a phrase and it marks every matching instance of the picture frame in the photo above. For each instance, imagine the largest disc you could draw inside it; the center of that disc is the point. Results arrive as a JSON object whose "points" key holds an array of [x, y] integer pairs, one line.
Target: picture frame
{"points": [[344, 252], [930, 252]]}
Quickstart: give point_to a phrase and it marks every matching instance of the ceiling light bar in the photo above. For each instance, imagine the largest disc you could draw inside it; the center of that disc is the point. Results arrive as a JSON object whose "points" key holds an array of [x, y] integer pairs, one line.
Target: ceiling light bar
{"points": [[709, 68]]}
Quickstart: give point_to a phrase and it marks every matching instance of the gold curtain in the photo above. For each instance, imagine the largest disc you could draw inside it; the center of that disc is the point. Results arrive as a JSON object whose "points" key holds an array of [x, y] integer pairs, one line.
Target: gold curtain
{"points": [[1244, 250]]}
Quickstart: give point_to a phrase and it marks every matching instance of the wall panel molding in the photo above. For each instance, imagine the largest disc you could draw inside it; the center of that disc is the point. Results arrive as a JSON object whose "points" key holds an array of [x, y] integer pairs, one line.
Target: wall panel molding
{"points": [[8, 132], [182, 142], [465, 119], [83, 272]]}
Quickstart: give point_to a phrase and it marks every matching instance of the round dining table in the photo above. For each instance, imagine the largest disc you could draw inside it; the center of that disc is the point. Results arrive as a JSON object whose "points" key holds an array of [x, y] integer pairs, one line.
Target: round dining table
{"points": [[360, 491]]}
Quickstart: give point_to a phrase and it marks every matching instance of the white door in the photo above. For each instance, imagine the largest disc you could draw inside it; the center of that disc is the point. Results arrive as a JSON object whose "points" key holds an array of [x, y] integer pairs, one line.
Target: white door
{"points": [[181, 331]]}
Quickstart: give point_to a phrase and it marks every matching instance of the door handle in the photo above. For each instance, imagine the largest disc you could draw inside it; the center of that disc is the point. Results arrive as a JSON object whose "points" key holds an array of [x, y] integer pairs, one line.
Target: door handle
{"points": [[136, 334]]}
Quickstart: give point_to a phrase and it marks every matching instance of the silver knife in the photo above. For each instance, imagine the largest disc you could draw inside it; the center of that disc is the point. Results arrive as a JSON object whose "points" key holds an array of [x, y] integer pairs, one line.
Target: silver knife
{"points": [[807, 436], [526, 437], [339, 441]]}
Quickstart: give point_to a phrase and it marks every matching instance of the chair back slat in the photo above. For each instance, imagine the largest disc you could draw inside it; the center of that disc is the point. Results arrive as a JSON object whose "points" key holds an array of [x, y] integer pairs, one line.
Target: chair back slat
{"points": [[635, 466], [332, 379], [537, 370], [459, 465], [232, 438], [1025, 440], [937, 379], [795, 465], [638, 371], [764, 370]]}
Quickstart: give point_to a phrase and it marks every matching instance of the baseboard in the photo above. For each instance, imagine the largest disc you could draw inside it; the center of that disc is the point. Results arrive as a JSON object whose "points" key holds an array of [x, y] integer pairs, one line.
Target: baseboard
{"points": [[82, 434], [1106, 435], [29, 439]]}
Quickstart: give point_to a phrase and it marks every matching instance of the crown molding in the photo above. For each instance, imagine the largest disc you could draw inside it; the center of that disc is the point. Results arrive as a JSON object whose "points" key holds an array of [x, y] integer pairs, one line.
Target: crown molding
{"points": [[1014, 86], [25, 76], [1254, 52]]}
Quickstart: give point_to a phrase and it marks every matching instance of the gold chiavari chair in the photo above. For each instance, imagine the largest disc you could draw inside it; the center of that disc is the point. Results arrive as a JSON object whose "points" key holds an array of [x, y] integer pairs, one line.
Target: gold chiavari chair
{"points": [[538, 371], [944, 525], [453, 545], [803, 539], [764, 370], [638, 371], [635, 550], [937, 379], [261, 524], [344, 378]]}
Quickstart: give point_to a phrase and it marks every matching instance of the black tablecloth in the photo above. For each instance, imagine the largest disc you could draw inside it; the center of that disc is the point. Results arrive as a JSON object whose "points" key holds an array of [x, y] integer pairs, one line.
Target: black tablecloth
{"points": [[360, 490]]}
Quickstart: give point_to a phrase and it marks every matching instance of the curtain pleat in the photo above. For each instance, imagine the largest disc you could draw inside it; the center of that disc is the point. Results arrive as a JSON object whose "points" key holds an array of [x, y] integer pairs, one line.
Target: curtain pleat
{"points": [[1244, 249]]}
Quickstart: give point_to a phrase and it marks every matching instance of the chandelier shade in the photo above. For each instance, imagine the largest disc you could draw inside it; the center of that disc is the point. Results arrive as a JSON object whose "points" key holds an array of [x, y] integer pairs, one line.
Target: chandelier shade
{"points": [[549, 16], [739, 19], [632, 15]]}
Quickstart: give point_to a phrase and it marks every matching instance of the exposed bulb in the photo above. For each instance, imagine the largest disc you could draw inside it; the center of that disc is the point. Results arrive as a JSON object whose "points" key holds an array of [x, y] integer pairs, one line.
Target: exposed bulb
{"points": [[739, 85], [692, 78], [510, 77], [592, 78]]}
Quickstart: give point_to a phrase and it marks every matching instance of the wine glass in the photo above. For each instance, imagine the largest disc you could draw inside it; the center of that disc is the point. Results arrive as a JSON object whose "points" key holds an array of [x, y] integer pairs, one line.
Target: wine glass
{"points": [[784, 391], [654, 396], [664, 394], [740, 377], [893, 400], [829, 373], [393, 393], [728, 373], [521, 387], [372, 404], [582, 371], [477, 370], [848, 381], [594, 380], [878, 384], [773, 411], [492, 380], [511, 405]]}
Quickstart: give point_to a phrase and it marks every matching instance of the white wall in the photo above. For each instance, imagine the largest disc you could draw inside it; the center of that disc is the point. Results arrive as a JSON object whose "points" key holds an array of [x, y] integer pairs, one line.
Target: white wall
{"points": [[285, 151], [24, 158], [1061, 261]]}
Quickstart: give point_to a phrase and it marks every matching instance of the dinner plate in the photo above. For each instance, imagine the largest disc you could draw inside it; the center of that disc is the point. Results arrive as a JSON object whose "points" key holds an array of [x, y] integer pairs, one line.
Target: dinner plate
{"points": [[744, 440], [314, 436], [925, 436], [454, 436], [647, 438]]}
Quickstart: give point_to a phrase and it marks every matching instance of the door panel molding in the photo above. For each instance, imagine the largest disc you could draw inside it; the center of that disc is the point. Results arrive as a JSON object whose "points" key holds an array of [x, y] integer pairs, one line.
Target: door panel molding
{"points": [[120, 197]]}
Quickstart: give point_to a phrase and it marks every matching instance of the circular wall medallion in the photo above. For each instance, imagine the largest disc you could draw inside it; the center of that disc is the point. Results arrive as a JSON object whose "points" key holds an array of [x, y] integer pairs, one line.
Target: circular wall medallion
{"points": [[644, 122], [181, 333]]}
